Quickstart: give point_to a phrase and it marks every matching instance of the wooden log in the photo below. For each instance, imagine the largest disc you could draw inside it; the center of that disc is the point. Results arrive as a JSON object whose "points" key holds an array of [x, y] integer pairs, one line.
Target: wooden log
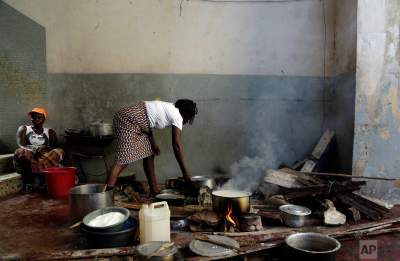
{"points": [[287, 180], [82, 254], [377, 201], [311, 179], [349, 176], [368, 208], [335, 188]]}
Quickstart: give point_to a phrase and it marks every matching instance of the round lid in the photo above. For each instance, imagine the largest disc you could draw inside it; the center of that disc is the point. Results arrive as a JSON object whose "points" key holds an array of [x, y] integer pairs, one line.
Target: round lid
{"points": [[228, 193], [203, 248], [151, 248], [295, 210]]}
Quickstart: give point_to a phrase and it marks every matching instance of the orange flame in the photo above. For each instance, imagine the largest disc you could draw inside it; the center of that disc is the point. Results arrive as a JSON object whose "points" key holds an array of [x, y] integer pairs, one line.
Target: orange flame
{"points": [[229, 216]]}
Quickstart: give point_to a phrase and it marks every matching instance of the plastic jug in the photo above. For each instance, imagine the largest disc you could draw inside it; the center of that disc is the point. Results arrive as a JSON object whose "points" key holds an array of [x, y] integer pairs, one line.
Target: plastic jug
{"points": [[154, 222]]}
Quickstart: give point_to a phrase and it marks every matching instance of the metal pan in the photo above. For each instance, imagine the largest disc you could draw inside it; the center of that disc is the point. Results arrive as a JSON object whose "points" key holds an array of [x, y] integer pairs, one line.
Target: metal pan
{"points": [[171, 198]]}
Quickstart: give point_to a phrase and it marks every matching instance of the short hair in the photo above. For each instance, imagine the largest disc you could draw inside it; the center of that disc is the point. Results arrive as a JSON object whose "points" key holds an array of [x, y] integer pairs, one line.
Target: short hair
{"points": [[188, 107]]}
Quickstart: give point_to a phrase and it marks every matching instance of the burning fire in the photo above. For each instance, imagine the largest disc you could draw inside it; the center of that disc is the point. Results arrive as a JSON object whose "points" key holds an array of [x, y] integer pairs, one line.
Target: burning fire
{"points": [[229, 216]]}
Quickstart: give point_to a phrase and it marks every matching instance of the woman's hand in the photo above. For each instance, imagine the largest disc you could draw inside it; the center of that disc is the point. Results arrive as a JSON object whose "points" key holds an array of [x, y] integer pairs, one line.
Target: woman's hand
{"points": [[187, 177]]}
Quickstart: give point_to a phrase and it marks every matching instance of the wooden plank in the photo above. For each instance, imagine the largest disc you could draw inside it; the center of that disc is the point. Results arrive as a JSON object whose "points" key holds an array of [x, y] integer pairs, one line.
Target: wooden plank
{"points": [[323, 144], [287, 180], [368, 208], [309, 166], [334, 189], [319, 150], [313, 180], [377, 201]]}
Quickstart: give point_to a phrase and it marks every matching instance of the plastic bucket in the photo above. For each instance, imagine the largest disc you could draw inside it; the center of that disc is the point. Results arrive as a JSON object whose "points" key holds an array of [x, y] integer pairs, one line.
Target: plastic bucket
{"points": [[59, 181]]}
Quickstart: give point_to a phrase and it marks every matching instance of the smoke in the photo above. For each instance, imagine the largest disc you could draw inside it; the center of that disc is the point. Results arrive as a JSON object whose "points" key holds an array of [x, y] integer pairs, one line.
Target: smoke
{"points": [[247, 173]]}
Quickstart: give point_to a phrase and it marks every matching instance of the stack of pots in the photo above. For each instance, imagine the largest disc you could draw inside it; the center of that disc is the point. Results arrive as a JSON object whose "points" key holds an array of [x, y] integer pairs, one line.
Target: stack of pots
{"points": [[119, 234], [88, 201]]}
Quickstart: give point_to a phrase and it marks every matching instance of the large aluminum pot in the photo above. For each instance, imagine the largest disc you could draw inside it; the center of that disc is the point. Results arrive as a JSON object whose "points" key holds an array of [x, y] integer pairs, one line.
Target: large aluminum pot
{"points": [[101, 129], [238, 200], [86, 198], [312, 247]]}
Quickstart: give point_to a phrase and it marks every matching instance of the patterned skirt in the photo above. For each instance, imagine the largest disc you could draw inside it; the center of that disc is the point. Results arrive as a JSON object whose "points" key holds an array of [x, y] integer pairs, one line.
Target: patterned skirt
{"points": [[52, 158], [130, 127]]}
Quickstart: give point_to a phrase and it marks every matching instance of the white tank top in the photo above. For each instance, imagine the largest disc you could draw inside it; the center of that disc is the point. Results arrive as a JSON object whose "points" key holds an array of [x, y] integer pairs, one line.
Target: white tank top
{"points": [[37, 139]]}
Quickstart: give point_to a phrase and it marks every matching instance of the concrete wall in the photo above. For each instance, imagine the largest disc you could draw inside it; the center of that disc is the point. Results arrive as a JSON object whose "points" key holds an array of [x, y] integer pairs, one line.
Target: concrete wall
{"points": [[152, 36], [22, 72], [263, 75], [377, 122]]}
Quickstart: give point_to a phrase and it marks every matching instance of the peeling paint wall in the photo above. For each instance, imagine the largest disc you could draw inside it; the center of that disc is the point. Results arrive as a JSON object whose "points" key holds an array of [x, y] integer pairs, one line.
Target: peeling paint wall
{"points": [[377, 123], [22, 72]]}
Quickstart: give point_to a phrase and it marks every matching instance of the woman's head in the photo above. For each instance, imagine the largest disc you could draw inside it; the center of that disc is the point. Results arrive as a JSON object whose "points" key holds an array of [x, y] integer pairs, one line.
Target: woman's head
{"points": [[38, 116], [188, 110]]}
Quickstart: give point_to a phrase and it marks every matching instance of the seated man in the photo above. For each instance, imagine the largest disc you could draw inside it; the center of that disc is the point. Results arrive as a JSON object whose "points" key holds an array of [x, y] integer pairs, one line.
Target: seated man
{"points": [[37, 150]]}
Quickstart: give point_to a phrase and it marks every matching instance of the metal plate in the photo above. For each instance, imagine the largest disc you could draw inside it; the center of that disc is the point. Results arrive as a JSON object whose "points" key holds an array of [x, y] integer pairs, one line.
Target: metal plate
{"points": [[147, 249], [203, 248]]}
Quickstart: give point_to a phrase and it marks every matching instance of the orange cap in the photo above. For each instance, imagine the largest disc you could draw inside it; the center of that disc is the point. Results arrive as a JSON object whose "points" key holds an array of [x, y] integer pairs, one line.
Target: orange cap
{"points": [[39, 110]]}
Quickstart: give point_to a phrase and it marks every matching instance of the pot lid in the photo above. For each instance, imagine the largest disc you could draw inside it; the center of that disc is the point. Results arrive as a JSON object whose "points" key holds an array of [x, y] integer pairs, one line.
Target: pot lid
{"points": [[199, 178], [203, 248], [230, 193], [170, 196], [151, 248], [295, 210]]}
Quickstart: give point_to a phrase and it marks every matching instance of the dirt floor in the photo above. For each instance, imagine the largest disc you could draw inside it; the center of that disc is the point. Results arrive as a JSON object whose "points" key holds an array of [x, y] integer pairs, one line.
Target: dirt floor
{"points": [[35, 223], [32, 223]]}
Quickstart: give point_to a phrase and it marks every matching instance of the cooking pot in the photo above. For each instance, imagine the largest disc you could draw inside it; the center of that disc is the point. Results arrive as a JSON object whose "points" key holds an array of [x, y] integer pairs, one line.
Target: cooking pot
{"points": [[192, 188], [238, 200], [201, 181], [84, 199], [101, 128], [294, 215], [312, 247], [102, 239]]}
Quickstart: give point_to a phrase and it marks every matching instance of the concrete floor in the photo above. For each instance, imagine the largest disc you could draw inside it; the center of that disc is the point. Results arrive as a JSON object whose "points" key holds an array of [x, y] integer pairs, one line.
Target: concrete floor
{"points": [[32, 223]]}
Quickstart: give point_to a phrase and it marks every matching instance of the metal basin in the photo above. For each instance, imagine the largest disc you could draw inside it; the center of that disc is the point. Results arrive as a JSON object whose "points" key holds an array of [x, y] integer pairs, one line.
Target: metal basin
{"points": [[86, 198], [312, 246], [110, 228]]}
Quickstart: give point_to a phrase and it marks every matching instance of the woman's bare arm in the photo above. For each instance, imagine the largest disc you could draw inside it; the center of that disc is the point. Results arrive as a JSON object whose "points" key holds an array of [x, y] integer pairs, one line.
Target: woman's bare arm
{"points": [[178, 151]]}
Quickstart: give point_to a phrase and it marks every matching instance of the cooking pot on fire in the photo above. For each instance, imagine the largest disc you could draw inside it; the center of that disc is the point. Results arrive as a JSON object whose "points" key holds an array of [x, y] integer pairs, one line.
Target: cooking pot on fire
{"points": [[101, 128], [237, 200]]}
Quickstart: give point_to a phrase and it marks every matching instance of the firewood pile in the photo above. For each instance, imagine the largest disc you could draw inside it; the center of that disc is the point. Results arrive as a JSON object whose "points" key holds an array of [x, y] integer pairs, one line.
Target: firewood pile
{"points": [[331, 196]]}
